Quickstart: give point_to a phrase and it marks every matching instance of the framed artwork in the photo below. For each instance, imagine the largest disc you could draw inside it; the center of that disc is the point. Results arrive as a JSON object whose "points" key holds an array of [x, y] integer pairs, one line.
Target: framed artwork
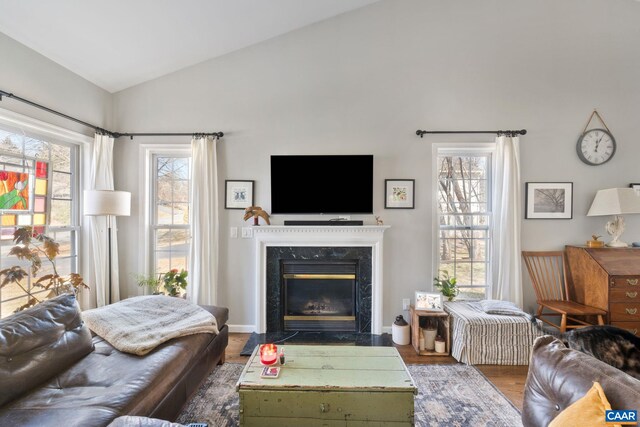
{"points": [[399, 193], [238, 194], [14, 191], [636, 187], [549, 200], [428, 301]]}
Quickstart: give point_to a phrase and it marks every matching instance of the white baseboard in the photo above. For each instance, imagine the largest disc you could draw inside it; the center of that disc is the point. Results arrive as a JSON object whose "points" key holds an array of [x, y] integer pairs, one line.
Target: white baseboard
{"points": [[242, 329], [247, 329]]}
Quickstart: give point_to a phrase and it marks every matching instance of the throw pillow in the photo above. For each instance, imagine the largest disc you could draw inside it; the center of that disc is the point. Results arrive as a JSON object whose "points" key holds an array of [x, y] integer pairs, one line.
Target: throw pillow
{"points": [[588, 411], [505, 308], [39, 343]]}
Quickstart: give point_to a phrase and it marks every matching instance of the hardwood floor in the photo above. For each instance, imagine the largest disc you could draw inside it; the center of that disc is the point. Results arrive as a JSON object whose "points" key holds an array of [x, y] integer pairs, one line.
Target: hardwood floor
{"points": [[508, 379]]}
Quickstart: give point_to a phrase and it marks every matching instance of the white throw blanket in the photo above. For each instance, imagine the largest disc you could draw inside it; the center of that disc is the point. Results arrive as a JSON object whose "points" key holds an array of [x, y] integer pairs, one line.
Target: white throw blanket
{"points": [[140, 324]]}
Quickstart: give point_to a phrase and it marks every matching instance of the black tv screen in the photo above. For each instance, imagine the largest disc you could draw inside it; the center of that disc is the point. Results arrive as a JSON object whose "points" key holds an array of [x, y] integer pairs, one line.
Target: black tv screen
{"points": [[322, 184]]}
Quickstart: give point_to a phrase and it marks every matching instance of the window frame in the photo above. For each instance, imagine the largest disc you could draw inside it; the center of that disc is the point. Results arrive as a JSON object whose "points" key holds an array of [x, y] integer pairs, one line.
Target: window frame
{"points": [[462, 149], [79, 161], [147, 178]]}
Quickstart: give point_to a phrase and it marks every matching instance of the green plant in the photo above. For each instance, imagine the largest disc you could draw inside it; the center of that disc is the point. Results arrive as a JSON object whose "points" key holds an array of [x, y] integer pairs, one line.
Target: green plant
{"points": [[152, 282], [447, 285], [175, 282], [33, 248]]}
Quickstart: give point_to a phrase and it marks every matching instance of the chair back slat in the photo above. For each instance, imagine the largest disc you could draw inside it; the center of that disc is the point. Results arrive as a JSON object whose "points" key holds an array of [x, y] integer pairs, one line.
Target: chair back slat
{"points": [[548, 274]]}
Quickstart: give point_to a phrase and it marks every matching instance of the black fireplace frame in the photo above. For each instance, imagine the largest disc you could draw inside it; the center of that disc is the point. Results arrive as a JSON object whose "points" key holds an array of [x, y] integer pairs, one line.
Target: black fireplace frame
{"points": [[275, 254]]}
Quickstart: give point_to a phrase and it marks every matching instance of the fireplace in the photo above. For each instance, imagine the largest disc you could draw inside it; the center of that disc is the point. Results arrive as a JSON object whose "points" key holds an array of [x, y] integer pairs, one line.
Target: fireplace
{"points": [[318, 289], [362, 244], [319, 295]]}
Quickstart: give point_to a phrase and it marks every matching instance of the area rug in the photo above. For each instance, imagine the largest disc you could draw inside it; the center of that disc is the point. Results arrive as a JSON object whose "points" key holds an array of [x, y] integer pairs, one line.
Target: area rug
{"points": [[448, 395]]}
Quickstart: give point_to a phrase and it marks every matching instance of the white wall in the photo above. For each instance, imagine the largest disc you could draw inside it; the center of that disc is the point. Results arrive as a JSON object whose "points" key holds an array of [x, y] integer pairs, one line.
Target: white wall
{"points": [[363, 82], [30, 75]]}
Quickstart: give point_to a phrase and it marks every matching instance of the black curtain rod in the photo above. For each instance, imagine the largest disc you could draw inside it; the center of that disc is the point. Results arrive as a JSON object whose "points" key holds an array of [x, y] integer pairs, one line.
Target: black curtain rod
{"points": [[421, 133], [99, 130]]}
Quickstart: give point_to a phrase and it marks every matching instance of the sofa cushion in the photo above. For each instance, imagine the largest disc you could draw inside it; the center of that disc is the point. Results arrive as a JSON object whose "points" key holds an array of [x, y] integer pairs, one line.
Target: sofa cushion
{"points": [[559, 376], [589, 410], [38, 343]]}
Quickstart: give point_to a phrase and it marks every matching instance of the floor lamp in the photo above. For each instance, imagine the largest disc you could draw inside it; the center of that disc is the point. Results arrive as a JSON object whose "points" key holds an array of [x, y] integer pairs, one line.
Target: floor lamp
{"points": [[107, 203]]}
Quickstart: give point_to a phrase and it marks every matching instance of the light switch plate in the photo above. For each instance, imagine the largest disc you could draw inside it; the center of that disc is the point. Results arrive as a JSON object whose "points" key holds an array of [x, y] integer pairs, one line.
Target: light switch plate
{"points": [[233, 232], [247, 232], [405, 303]]}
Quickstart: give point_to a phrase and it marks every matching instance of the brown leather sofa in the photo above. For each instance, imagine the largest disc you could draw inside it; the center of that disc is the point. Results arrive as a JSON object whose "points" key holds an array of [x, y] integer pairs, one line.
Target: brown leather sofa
{"points": [[558, 376], [54, 373]]}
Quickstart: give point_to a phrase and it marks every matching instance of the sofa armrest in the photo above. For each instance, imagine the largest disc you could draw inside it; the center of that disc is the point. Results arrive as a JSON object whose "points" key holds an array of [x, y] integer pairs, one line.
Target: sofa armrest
{"points": [[220, 313], [558, 376]]}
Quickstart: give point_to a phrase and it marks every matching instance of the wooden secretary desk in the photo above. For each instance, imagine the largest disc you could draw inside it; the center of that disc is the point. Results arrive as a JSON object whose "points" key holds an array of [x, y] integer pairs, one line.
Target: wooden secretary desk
{"points": [[609, 279]]}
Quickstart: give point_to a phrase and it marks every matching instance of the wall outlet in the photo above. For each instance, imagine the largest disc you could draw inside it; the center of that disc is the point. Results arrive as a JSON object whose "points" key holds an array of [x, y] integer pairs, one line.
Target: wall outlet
{"points": [[247, 232], [405, 303], [233, 233]]}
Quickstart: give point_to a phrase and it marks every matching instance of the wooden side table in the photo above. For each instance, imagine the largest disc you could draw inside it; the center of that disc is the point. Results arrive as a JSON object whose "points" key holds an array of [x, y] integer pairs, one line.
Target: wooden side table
{"points": [[443, 330]]}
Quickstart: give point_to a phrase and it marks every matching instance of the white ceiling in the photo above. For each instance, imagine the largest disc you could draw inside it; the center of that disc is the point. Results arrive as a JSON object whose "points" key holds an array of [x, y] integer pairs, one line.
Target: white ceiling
{"points": [[120, 43]]}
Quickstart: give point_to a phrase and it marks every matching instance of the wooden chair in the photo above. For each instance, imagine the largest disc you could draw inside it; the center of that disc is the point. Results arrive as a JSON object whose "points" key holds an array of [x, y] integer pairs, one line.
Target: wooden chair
{"points": [[548, 274]]}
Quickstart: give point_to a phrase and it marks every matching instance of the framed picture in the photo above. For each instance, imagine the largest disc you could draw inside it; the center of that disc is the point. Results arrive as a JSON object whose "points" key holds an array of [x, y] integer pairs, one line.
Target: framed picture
{"points": [[428, 301], [238, 194], [549, 200], [399, 193], [636, 187]]}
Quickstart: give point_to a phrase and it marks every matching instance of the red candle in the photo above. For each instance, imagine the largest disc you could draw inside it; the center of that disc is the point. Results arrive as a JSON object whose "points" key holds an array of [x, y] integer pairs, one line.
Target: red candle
{"points": [[268, 354]]}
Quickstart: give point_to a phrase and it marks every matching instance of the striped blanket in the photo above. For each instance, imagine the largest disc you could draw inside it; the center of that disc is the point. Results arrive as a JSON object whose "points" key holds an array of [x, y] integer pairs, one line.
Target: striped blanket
{"points": [[479, 338]]}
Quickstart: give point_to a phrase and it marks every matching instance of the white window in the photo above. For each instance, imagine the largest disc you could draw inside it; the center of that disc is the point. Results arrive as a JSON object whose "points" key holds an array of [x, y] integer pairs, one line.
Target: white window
{"points": [[169, 211], [463, 217], [45, 174]]}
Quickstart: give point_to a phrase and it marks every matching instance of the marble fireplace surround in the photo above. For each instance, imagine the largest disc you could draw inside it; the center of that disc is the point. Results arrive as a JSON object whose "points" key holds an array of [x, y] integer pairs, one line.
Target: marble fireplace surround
{"points": [[370, 236]]}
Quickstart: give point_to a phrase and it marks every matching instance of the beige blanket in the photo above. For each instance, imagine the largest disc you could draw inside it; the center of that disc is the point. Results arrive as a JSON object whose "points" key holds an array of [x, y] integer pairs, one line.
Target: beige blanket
{"points": [[138, 325]]}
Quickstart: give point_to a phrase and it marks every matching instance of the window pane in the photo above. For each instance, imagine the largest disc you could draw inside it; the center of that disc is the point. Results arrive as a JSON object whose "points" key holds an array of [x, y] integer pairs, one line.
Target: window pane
{"points": [[181, 191], [61, 158], [36, 148], [473, 293], [463, 202], [63, 238], [61, 185], [171, 212], [60, 212], [180, 213]]}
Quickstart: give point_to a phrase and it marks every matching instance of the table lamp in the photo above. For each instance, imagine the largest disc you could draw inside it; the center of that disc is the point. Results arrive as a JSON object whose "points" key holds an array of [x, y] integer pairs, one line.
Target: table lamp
{"points": [[617, 202]]}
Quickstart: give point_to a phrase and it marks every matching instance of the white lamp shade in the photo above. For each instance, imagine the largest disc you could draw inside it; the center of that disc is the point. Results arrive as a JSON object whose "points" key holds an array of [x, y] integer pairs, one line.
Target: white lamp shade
{"points": [[107, 202], [615, 201]]}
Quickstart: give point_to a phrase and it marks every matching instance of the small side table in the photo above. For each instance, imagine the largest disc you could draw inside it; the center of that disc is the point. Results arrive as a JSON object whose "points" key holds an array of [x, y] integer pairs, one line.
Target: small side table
{"points": [[443, 330]]}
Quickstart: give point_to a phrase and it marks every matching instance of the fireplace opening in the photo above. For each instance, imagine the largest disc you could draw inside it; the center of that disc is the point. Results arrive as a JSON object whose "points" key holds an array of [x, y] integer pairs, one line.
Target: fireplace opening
{"points": [[319, 295]]}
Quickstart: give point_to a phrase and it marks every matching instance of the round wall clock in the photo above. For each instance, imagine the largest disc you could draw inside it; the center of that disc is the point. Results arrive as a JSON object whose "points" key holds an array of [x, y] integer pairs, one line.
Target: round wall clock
{"points": [[596, 147]]}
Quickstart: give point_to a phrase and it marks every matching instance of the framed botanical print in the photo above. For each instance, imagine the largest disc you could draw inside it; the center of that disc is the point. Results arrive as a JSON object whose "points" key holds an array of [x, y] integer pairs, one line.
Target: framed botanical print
{"points": [[399, 193], [238, 194]]}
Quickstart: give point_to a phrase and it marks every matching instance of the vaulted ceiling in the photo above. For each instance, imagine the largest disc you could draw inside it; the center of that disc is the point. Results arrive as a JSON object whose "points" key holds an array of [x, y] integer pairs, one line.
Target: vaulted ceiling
{"points": [[120, 43]]}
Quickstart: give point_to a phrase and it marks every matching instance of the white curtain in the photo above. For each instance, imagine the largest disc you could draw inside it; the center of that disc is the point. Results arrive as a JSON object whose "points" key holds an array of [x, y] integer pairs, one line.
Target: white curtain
{"points": [[102, 179], [507, 206], [203, 252]]}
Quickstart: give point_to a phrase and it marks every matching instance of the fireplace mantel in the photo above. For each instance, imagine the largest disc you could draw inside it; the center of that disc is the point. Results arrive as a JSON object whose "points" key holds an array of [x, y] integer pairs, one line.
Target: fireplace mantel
{"points": [[326, 236]]}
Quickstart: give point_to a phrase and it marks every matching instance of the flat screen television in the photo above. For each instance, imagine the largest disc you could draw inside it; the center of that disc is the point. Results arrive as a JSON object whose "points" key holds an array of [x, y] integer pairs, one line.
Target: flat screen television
{"points": [[322, 184]]}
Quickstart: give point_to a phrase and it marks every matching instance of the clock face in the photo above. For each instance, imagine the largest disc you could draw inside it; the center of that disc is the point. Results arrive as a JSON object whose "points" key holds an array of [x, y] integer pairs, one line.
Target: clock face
{"points": [[596, 146]]}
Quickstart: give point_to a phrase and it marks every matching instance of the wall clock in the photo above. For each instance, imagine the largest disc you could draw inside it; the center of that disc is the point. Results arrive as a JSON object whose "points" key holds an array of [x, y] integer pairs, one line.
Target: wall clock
{"points": [[596, 146]]}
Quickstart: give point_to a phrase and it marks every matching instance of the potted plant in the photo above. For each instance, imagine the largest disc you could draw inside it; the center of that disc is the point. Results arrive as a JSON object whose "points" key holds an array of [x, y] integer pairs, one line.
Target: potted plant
{"points": [[152, 282], [447, 285], [33, 248], [175, 282]]}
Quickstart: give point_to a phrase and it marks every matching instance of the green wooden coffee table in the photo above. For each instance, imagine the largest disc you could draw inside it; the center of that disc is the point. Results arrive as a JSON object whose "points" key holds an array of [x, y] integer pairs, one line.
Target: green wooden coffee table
{"points": [[329, 386]]}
